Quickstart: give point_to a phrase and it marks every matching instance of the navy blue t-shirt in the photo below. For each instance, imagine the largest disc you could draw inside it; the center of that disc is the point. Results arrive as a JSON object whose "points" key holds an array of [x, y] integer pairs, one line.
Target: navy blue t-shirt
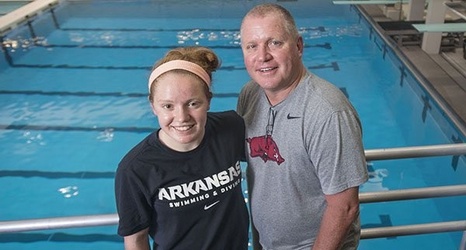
{"points": [[189, 200]]}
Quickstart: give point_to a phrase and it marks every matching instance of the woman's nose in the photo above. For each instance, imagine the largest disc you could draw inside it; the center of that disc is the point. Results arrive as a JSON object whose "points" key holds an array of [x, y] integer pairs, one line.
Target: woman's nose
{"points": [[181, 114]]}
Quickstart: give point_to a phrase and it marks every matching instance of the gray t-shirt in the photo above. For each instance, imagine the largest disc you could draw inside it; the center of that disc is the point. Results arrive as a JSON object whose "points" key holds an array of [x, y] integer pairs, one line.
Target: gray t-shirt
{"points": [[298, 150]]}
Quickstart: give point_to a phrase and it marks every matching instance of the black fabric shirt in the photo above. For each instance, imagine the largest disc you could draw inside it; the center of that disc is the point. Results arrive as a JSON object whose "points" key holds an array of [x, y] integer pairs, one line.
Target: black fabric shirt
{"points": [[189, 200]]}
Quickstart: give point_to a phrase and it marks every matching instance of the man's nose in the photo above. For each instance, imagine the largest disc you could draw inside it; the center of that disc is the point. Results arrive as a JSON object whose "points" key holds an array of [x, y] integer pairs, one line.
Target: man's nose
{"points": [[263, 53]]}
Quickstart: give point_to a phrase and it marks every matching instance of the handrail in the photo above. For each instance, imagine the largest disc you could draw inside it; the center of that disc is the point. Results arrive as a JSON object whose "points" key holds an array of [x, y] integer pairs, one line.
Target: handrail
{"points": [[438, 227], [412, 193], [112, 219], [417, 151], [366, 197], [58, 222]]}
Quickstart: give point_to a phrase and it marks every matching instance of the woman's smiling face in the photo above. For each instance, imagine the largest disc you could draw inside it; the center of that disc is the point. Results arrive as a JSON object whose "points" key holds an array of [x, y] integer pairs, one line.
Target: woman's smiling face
{"points": [[180, 104]]}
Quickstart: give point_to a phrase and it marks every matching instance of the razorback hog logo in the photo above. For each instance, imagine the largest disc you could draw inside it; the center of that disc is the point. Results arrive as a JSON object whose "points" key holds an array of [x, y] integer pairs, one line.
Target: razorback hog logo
{"points": [[264, 147]]}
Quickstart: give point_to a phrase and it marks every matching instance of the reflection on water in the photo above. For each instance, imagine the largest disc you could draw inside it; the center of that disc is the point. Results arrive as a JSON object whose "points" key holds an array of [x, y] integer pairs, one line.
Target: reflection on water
{"points": [[69, 191]]}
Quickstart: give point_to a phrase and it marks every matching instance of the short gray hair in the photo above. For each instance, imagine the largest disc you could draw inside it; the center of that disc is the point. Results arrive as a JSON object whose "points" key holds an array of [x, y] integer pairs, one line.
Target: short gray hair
{"points": [[263, 10]]}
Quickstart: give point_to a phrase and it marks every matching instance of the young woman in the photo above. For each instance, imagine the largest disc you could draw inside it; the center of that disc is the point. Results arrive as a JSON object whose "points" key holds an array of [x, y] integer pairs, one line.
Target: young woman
{"points": [[181, 185]]}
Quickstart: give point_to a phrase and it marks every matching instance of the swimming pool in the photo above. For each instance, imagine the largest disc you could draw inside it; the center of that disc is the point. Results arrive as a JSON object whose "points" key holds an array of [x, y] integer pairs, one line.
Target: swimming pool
{"points": [[73, 102]]}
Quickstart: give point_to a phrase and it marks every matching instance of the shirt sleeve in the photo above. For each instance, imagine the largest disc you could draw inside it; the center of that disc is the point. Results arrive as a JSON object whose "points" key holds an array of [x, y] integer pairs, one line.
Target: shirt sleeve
{"points": [[340, 160], [133, 204]]}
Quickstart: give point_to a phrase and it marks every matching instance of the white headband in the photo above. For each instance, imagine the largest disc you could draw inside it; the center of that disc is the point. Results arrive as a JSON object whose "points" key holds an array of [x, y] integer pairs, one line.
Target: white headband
{"points": [[179, 64]]}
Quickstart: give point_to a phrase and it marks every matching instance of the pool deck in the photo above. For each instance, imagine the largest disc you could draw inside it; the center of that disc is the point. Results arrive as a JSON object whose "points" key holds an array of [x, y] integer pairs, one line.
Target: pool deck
{"points": [[444, 72]]}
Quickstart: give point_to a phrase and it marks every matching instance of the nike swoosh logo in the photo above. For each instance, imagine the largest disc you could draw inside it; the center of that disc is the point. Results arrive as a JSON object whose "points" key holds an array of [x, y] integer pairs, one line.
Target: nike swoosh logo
{"points": [[289, 117], [206, 207]]}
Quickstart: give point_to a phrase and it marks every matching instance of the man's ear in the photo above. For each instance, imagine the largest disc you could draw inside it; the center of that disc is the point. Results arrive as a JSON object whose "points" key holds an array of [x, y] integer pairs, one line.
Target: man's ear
{"points": [[300, 46]]}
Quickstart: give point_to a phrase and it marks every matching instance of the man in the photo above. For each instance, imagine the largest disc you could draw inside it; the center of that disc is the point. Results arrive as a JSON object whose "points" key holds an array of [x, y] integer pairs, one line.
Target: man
{"points": [[305, 154]]}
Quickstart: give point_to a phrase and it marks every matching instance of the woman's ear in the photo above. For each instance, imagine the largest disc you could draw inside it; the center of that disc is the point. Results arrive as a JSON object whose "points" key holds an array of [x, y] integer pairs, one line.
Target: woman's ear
{"points": [[153, 109], [152, 106]]}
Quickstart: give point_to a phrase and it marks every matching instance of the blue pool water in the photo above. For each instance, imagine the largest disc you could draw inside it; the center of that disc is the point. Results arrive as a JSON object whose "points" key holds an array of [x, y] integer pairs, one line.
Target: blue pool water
{"points": [[74, 102]]}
